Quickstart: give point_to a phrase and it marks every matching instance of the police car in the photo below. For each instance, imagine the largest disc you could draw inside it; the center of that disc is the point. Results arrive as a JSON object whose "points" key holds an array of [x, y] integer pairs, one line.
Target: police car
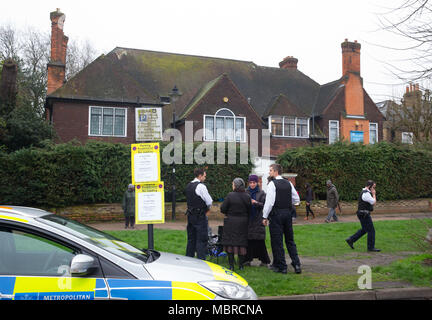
{"points": [[44, 256]]}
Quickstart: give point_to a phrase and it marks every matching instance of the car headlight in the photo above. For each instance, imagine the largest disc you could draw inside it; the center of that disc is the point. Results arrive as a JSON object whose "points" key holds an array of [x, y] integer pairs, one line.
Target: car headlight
{"points": [[230, 290]]}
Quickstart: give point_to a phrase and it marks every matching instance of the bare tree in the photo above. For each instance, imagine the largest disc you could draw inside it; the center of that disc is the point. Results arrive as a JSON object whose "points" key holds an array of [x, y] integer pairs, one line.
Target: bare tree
{"points": [[79, 54], [9, 43], [411, 20], [30, 49]]}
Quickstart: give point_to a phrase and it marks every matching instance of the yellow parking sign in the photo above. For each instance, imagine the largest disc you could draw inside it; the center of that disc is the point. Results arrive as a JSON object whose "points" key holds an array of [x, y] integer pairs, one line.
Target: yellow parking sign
{"points": [[149, 203], [145, 158]]}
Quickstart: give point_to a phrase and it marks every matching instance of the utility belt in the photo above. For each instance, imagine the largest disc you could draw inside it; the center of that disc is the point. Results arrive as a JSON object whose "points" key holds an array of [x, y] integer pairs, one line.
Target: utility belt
{"points": [[363, 213], [278, 211], [195, 211]]}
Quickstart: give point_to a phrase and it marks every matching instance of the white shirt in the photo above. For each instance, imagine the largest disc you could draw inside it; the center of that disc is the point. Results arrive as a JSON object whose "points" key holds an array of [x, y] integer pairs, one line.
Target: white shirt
{"points": [[271, 197], [367, 197], [202, 192]]}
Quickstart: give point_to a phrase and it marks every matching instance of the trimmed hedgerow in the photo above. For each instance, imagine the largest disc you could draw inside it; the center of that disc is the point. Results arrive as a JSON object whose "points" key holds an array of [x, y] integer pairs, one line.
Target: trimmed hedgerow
{"points": [[97, 172], [400, 172]]}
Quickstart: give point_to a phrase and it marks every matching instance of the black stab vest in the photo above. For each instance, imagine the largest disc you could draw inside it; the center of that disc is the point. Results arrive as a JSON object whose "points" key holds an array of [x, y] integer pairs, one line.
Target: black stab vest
{"points": [[363, 205], [193, 200], [283, 198]]}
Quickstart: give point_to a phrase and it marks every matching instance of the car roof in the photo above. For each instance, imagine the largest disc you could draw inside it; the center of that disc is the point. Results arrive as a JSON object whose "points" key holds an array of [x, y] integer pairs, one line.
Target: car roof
{"points": [[23, 212]]}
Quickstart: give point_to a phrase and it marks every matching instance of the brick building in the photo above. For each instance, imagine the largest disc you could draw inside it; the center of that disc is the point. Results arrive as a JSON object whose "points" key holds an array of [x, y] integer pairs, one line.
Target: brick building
{"points": [[224, 98]]}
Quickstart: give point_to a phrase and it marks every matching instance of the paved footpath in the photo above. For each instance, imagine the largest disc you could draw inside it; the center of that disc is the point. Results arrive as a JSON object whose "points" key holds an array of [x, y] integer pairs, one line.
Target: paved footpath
{"points": [[214, 223]]}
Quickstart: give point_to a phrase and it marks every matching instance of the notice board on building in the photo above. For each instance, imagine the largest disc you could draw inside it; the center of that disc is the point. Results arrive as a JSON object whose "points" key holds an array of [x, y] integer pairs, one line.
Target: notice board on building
{"points": [[356, 136], [148, 124]]}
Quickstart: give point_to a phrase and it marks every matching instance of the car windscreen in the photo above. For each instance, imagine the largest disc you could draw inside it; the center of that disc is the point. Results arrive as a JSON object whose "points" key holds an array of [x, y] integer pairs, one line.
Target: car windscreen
{"points": [[97, 238]]}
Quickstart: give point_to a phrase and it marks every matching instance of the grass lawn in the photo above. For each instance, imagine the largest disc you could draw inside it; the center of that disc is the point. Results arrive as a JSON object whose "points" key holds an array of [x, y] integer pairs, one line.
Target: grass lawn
{"points": [[323, 241]]}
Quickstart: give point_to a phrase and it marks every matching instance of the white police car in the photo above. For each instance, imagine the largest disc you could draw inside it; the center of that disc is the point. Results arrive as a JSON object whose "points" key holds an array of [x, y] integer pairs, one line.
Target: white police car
{"points": [[44, 256]]}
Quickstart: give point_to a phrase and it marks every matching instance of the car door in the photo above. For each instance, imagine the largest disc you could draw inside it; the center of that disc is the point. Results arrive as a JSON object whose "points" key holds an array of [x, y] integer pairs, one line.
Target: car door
{"points": [[36, 266]]}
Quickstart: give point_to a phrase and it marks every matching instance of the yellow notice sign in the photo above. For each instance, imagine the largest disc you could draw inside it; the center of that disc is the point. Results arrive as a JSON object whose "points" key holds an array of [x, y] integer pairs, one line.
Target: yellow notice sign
{"points": [[145, 158], [149, 203]]}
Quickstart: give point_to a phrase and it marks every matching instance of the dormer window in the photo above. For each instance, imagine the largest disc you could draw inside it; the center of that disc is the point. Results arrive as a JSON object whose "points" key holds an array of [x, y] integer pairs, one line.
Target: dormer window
{"points": [[224, 125], [292, 127]]}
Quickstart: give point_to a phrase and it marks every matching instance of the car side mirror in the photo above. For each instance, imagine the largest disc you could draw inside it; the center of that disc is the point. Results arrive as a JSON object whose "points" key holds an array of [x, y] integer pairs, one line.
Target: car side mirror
{"points": [[81, 264]]}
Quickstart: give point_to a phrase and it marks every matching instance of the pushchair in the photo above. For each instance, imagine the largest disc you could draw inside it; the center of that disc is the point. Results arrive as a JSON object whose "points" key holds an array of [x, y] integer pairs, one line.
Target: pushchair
{"points": [[214, 246]]}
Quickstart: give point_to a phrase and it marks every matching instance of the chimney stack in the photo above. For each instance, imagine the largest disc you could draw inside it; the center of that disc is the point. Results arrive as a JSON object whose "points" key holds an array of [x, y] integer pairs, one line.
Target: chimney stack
{"points": [[350, 57], [288, 63], [57, 64]]}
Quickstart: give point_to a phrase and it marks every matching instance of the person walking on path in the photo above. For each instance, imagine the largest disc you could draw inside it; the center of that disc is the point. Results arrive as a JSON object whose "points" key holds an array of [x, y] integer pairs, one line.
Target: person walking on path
{"points": [[309, 198], [199, 202], [128, 206], [236, 207], [281, 195], [332, 201], [256, 230], [366, 202]]}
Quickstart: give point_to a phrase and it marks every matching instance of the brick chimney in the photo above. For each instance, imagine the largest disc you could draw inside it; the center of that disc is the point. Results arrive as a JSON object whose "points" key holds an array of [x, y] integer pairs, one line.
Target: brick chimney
{"points": [[288, 63], [57, 64], [350, 57]]}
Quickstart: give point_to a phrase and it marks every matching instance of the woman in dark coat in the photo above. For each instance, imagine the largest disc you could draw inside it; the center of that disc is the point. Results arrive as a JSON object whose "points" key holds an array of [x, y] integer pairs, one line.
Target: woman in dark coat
{"points": [[256, 230], [309, 198], [236, 207]]}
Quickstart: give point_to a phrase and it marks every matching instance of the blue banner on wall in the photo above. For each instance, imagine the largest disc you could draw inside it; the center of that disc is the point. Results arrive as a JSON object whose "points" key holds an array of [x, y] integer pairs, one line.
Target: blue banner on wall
{"points": [[356, 136]]}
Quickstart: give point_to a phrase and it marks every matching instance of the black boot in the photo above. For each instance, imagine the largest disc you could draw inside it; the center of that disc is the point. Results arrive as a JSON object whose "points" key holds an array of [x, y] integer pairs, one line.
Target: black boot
{"points": [[242, 260], [231, 261]]}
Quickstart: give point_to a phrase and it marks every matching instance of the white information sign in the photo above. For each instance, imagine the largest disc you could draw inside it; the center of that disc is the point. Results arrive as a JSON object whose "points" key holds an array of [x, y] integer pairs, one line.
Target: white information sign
{"points": [[148, 124]]}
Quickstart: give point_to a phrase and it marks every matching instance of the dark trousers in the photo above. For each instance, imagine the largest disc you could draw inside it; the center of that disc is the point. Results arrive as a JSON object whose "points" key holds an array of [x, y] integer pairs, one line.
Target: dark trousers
{"points": [[197, 232], [366, 227], [280, 226], [129, 221], [309, 210]]}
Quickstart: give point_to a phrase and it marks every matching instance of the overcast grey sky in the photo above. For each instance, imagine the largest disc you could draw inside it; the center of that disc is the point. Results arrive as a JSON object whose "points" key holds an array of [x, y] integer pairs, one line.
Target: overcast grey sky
{"points": [[252, 30]]}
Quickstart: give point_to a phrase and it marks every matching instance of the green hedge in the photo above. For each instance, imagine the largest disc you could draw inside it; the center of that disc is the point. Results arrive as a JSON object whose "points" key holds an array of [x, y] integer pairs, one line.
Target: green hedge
{"points": [[70, 174], [401, 172]]}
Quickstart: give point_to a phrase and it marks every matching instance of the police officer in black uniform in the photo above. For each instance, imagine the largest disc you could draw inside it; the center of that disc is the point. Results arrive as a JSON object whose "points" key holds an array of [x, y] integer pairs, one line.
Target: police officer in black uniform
{"points": [[366, 202], [278, 207], [199, 202]]}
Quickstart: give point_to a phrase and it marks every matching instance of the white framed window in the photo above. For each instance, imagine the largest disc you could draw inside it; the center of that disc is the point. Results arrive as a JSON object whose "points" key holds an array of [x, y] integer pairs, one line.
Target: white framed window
{"points": [[333, 131], [224, 126], [407, 137], [107, 121], [281, 126], [373, 132]]}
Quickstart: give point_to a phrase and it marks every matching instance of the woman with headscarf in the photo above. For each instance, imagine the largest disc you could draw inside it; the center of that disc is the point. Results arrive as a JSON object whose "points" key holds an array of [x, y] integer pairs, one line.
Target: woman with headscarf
{"points": [[236, 207], [256, 230]]}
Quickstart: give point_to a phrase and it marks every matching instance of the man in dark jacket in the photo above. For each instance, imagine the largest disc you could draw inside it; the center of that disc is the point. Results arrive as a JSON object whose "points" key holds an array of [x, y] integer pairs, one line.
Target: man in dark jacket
{"points": [[128, 206], [332, 201]]}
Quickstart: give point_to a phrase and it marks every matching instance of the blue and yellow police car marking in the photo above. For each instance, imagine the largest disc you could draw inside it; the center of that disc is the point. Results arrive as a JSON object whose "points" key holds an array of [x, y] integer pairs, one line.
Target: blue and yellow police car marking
{"points": [[53, 288], [224, 274], [157, 290]]}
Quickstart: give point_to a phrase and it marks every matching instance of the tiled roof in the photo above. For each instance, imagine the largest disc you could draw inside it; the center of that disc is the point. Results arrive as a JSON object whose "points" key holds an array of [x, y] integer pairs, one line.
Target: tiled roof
{"points": [[126, 74], [132, 75]]}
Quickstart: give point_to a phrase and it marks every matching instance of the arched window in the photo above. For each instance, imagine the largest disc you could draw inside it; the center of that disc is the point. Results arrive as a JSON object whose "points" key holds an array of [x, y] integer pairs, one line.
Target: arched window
{"points": [[224, 126]]}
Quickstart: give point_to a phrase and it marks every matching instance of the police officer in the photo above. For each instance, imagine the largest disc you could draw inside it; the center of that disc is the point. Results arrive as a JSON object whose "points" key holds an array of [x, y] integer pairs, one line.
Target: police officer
{"points": [[366, 202], [278, 207], [199, 202]]}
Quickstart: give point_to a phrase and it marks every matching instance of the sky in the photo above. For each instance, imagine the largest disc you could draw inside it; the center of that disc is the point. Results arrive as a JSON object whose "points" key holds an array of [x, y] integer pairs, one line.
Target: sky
{"points": [[263, 32]]}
